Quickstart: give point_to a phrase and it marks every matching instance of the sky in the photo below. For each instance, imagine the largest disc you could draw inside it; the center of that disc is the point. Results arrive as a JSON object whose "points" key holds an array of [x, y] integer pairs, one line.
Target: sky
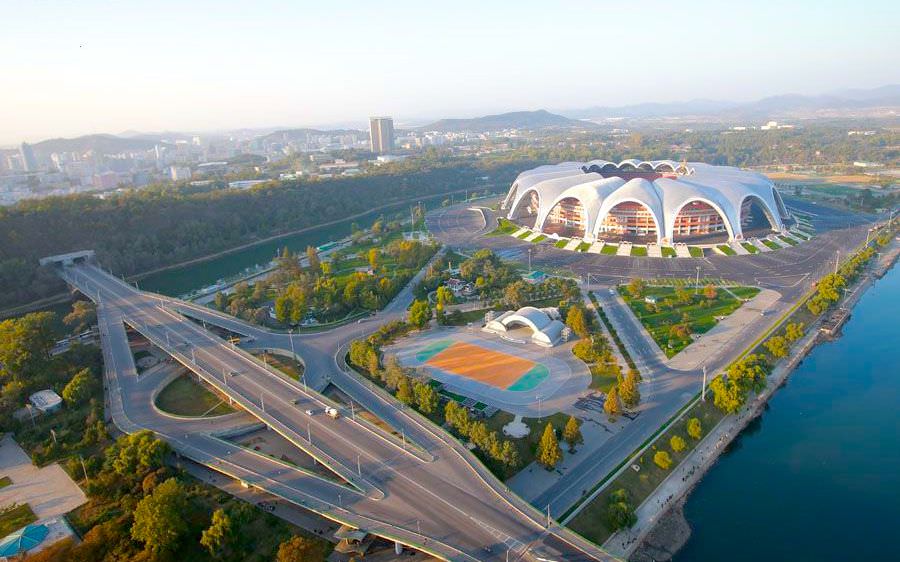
{"points": [[86, 66]]}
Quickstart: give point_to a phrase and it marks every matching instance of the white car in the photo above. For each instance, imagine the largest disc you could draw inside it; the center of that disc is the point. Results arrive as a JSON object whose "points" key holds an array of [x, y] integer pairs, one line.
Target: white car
{"points": [[310, 413]]}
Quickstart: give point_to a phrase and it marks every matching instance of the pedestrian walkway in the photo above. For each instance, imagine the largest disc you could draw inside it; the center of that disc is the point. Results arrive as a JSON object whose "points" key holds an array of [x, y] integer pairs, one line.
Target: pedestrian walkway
{"points": [[759, 245], [682, 251], [573, 243], [532, 236], [596, 248], [49, 491], [624, 249], [520, 232], [738, 248], [654, 251]]}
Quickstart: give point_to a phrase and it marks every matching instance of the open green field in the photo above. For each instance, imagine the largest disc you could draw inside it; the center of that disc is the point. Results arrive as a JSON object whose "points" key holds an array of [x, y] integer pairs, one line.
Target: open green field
{"points": [[185, 397], [609, 249], [15, 517], [591, 521], [700, 313]]}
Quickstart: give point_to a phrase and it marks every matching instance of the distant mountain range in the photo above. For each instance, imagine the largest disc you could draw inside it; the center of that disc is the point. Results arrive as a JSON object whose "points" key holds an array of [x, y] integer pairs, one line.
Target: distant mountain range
{"points": [[102, 143], [788, 105], [540, 119]]}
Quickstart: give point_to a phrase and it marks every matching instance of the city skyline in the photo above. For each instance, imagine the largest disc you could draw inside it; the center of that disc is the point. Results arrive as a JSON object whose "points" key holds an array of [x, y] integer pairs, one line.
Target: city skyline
{"points": [[94, 70]]}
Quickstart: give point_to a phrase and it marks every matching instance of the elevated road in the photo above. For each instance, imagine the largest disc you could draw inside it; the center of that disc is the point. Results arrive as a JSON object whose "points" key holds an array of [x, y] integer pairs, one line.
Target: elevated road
{"points": [[427, 492]]}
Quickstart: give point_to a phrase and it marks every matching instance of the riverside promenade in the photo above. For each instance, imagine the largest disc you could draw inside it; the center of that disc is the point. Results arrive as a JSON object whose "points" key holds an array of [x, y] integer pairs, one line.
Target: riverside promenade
{"points": [[658, 505]]}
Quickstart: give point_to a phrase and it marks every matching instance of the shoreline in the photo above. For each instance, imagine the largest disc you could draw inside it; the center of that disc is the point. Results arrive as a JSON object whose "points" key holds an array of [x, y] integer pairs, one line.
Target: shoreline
{"points": [[666, 530]]}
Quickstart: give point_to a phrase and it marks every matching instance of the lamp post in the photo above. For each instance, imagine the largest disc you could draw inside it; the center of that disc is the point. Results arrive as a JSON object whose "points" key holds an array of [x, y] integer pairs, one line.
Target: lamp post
{"points": [[697, 282]]}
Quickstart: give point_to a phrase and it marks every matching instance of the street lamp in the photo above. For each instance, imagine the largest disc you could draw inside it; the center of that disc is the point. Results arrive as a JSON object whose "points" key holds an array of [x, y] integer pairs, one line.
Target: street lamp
{"points": [[697, 282]]}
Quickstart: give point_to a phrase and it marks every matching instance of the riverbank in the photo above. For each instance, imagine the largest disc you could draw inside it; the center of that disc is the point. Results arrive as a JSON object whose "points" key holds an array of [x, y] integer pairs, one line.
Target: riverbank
{"points": [[661, 529]]}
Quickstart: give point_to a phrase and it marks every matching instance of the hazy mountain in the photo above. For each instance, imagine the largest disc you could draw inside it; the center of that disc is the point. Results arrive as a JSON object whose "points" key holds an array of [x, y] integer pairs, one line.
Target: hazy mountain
{"points": [[102, 143], [540, 119], [786, 105], [302, 134]]}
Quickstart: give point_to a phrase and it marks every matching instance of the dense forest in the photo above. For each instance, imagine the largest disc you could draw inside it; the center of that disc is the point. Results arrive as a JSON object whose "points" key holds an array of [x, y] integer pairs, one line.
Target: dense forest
{"points": [[142, 230]]}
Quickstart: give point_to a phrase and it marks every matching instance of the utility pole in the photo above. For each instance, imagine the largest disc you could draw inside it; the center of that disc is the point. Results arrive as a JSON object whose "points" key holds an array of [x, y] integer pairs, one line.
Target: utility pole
{"points": [[697, 282], [703, 388], [358, 466], [83, 468], [837, 259], [309, 432], [291, 340], [548, 515]]}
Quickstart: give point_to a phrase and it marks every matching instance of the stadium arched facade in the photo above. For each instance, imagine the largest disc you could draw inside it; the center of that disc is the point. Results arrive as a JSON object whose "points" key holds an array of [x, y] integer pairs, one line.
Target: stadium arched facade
{"points": [[661, 201]]}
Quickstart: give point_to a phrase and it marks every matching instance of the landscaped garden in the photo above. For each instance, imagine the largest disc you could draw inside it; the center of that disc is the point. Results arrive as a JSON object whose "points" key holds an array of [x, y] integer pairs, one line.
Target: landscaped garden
{"points": [[695, 251], [609, 249], [771, 245], [750, 247], [672, 314]]}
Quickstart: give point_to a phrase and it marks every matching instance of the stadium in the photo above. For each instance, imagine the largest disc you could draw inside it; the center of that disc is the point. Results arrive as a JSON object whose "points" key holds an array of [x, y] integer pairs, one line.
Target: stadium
{"points": [[655, 202]]}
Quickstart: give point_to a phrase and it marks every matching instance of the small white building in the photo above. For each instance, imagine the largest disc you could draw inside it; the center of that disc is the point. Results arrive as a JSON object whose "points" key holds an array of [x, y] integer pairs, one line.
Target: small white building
{"points": [[46, 401], [545, 324]]}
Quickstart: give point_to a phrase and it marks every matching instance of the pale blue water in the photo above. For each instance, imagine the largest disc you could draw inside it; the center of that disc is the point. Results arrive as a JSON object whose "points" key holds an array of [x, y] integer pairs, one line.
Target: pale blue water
{"points": [[817, 478]]}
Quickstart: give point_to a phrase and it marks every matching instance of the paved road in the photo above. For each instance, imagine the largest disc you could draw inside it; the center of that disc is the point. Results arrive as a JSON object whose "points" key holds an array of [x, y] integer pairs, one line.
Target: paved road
{"points": [[789, 271], [439, 496]]}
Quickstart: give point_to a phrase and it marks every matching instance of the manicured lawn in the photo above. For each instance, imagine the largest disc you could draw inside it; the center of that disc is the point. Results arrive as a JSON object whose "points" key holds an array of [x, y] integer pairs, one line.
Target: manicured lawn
{"points": [[526, 446], [750, 247], [506, 227], [726, 249], [583, 247], [524, 235], [15, 517], [539, 238], [5, 481], [603, 377], [701, 313], [799, 235], [561, 243], [591, 521], [609, 249], [695, 251], [185, 397], [787, 240], [668, 252], [771, 245], [639, 251]]}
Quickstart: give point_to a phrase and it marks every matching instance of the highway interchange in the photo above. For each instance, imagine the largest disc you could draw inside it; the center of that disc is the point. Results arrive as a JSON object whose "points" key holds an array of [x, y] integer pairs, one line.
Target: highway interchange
{"points": [[424, 489]]}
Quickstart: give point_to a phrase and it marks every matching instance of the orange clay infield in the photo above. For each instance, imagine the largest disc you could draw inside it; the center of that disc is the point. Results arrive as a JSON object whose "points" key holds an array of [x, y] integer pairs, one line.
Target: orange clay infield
{"points": [[480, 364]]}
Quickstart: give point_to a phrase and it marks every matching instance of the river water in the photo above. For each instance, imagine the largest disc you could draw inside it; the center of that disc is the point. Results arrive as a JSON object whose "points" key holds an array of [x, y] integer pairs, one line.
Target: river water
{"points": [[817, 477], [177, 282]]}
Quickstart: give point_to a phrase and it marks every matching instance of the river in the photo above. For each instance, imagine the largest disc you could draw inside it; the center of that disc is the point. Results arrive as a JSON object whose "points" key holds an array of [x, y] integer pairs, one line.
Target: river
{"points": [[817, 476], [183, 280]]}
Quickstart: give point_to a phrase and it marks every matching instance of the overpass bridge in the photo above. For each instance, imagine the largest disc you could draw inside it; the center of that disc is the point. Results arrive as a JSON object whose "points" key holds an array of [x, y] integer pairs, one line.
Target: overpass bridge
{"points": [[428, 493]]}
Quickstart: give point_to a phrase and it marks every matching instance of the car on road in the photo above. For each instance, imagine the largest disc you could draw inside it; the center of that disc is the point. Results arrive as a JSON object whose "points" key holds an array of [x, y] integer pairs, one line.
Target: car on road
{"points": [[310, 412], [332, 412]]}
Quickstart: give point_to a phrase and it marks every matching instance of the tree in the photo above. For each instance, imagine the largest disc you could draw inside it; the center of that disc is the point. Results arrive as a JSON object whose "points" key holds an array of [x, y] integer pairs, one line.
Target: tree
{"points": [[628, 390], [694, 429], [79, 388], [577, 321], [83, 315], [313, 257], [300, 549], [374, 258], [220, 537], [613, 405], [549, 454], [419, 314], [405, 390], [619, 510], [677, 443], [159, 517], [662, 459], [636, 287], [793, 331], [136, 454], [710, 292], [683, 296], [221, 300], [516, 294], [572, 433], [427, 398], [777, 346]]}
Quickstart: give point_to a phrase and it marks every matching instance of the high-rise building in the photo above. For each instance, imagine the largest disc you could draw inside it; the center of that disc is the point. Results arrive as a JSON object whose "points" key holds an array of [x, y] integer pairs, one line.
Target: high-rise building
{"points": [[29, 163], [381, 134]]}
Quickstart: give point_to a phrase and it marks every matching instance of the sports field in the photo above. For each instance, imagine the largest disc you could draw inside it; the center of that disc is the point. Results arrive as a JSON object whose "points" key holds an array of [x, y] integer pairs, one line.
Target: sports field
{"points": [[486, 366]]}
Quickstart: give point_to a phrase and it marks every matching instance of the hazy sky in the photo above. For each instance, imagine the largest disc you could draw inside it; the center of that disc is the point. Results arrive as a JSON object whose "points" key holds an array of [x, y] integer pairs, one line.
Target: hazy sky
{"points": [[98, 66]]}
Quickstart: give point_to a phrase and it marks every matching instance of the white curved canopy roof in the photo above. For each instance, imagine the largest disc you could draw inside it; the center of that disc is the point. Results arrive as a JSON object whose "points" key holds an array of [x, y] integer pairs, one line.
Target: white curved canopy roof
{"points": [[599, 186], [546, 330]]}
